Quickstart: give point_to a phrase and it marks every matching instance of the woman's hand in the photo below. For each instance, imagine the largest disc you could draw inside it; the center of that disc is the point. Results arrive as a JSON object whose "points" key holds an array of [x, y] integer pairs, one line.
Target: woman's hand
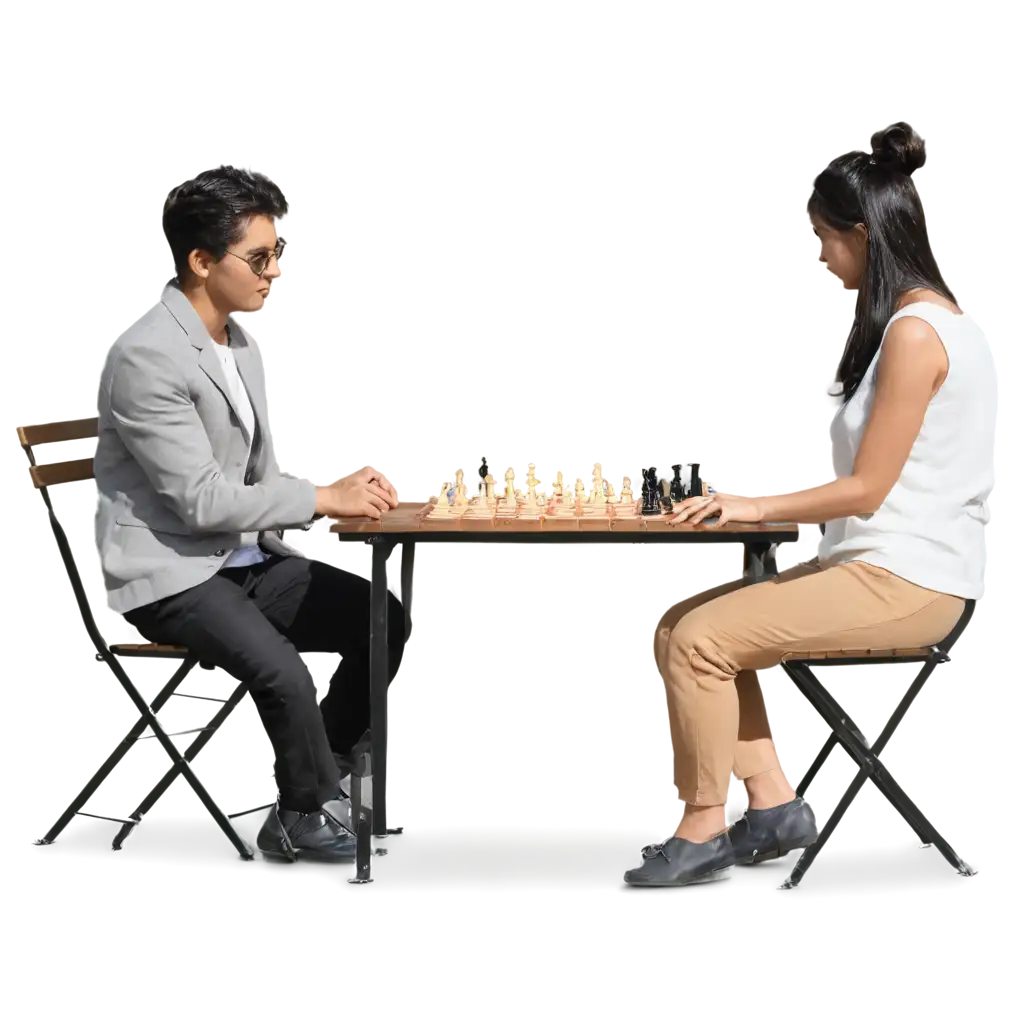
{"points": [[730, 508]]}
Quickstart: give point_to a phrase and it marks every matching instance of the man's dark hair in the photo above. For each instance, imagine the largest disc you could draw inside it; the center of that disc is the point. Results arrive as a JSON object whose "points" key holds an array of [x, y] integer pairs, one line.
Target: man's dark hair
{"points": [[212, 212], [875, 189]]}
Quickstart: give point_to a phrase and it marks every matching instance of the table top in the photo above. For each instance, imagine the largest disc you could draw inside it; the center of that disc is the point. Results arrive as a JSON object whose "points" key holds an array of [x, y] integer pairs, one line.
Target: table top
{"points": [[408, 523]]}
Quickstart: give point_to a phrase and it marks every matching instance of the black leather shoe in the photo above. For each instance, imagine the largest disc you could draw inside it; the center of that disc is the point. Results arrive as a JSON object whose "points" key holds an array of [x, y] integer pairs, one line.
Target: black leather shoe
{"points": [[317, 835], [680, 862], [762, 835], [258, 835]]}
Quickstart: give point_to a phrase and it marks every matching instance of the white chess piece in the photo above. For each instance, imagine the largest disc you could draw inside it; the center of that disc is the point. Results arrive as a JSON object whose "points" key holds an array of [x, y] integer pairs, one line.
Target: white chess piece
{"points": [[460, 489], [597, 496]]}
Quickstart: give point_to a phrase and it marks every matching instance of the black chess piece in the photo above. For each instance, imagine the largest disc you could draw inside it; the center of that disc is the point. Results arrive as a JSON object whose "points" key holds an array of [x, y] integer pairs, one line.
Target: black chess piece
{"points": [[696, 477], [664, 496], [676, 492], [483, 470], [651, 506]]}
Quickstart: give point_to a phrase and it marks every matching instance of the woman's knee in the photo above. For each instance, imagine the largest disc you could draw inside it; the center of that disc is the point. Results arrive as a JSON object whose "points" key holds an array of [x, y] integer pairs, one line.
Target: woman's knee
{"points": [[697, 642], [684, 610], [690, 632]]}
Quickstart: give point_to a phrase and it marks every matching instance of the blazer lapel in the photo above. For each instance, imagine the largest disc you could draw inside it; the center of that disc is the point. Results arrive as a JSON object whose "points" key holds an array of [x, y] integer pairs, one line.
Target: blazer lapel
{"points": [[250, 377], [209, 362]]}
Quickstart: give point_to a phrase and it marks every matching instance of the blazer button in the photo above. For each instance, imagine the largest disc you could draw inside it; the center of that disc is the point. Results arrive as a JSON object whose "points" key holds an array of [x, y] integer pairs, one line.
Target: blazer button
{"points": [[218, 552]]}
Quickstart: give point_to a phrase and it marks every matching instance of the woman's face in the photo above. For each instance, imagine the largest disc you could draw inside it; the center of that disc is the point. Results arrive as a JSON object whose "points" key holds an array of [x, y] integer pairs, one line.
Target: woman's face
{"points": [[843, 252]]}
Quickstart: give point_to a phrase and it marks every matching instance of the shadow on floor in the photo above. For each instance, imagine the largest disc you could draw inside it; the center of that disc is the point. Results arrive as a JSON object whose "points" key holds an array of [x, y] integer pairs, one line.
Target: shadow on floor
{"points": [[592, 864]]}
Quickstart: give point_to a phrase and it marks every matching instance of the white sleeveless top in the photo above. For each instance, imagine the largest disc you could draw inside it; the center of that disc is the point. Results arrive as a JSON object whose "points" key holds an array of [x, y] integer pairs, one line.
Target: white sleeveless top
{"points": [[930, 528]]}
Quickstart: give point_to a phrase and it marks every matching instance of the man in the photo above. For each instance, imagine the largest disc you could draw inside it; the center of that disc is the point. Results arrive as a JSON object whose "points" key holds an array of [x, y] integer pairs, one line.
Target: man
{"points": [[192, 505]]}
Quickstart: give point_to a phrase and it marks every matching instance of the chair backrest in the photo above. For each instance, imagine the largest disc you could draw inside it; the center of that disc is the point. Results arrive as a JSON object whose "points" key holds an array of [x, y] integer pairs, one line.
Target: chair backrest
{"points": [[58, 457], [961, 625]]}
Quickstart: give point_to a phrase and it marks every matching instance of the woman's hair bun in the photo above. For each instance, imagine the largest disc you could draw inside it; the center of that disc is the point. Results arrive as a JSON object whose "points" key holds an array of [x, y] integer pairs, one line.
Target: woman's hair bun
{"points": [[898, 147]]}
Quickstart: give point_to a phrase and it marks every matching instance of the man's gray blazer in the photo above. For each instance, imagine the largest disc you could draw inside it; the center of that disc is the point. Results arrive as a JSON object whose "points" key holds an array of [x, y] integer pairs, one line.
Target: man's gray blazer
{"points": [[176, 491]]}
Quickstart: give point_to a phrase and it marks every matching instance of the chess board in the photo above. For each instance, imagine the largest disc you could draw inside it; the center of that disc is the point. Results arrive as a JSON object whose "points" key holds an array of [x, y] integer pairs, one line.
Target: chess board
{"points": [[412, 520]]}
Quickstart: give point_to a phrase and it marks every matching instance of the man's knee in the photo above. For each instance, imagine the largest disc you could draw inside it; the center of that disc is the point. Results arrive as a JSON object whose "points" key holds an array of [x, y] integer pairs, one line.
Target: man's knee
{"points": [[282, 680]]}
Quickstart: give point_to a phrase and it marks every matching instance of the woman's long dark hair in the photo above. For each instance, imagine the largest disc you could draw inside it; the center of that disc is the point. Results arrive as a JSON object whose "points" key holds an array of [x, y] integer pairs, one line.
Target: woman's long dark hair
{"points": [[874, 189]]}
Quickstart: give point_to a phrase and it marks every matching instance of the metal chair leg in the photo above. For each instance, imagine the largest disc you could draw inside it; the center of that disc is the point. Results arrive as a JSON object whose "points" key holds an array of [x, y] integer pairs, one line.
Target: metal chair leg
{"points": [[127, 833], [846, 734], [796, 873], [53, 836]]}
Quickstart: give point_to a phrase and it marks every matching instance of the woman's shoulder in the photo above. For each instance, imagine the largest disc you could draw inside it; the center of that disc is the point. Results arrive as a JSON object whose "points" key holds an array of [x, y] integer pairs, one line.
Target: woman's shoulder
{"points": [[926, 295]]}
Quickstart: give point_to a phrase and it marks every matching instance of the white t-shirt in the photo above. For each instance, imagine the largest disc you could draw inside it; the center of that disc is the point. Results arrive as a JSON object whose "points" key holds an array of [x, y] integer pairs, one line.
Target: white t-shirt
{"points": [[930, 528], [251, 553]]}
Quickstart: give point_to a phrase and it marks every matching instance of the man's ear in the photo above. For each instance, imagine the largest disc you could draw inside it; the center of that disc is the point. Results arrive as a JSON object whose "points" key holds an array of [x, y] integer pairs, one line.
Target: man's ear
{"points": [[199, 261]]}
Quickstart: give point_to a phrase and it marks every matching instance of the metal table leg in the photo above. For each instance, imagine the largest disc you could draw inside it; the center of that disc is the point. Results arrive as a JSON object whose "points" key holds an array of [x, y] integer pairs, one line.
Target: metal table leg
{"points": [[756, 552], [382, 548]]}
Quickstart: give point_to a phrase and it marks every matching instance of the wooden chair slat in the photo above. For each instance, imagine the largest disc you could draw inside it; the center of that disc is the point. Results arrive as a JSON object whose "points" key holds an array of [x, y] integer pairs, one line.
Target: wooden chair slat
{"points": [[904, 652], [145, 645], [66, 430], [61, 469], [61, 472]]}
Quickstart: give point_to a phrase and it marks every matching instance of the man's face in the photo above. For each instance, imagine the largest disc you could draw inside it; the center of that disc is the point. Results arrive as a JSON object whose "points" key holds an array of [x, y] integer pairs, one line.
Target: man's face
{"points": [[231, 283]]}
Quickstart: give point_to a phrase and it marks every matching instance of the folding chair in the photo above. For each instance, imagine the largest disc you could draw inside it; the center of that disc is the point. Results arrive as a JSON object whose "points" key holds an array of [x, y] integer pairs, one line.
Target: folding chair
{"points": [[194, 748], [844, 733]]}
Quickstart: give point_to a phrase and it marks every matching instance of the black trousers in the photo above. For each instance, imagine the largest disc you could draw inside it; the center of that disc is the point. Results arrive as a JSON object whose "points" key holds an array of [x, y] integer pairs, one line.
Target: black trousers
{"points": [[254, 622]]}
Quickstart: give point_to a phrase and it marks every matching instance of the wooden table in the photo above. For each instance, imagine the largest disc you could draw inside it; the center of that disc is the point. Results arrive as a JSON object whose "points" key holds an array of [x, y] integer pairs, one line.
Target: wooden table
{"points": [[486, 598]]}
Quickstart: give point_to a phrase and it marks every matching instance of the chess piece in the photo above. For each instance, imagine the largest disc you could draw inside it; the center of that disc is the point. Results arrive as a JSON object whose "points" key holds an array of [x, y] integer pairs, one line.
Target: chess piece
{"points": [[665, 497], [489, 488], [597, 494], [532, 507], [609, 493], [627, 493], [676, 492], [531, 494], [581, 491], [696, 488], [483, 470], [509, 504], [460, 489], [557, 488], [443, 505], [650, 493], [478, 508]]}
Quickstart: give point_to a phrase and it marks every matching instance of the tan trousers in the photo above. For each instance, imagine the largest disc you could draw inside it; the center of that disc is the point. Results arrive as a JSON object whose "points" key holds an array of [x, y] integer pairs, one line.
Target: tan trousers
{"points": [[708, 648]]}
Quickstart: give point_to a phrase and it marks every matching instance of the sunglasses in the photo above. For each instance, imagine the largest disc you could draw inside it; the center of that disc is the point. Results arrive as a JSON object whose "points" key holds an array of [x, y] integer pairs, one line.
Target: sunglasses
{"points": [[259, 261]]}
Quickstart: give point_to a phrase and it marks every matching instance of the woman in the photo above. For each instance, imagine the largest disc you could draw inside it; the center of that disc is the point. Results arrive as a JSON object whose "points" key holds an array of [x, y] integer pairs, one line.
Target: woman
{"points": [[904, 543]]}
